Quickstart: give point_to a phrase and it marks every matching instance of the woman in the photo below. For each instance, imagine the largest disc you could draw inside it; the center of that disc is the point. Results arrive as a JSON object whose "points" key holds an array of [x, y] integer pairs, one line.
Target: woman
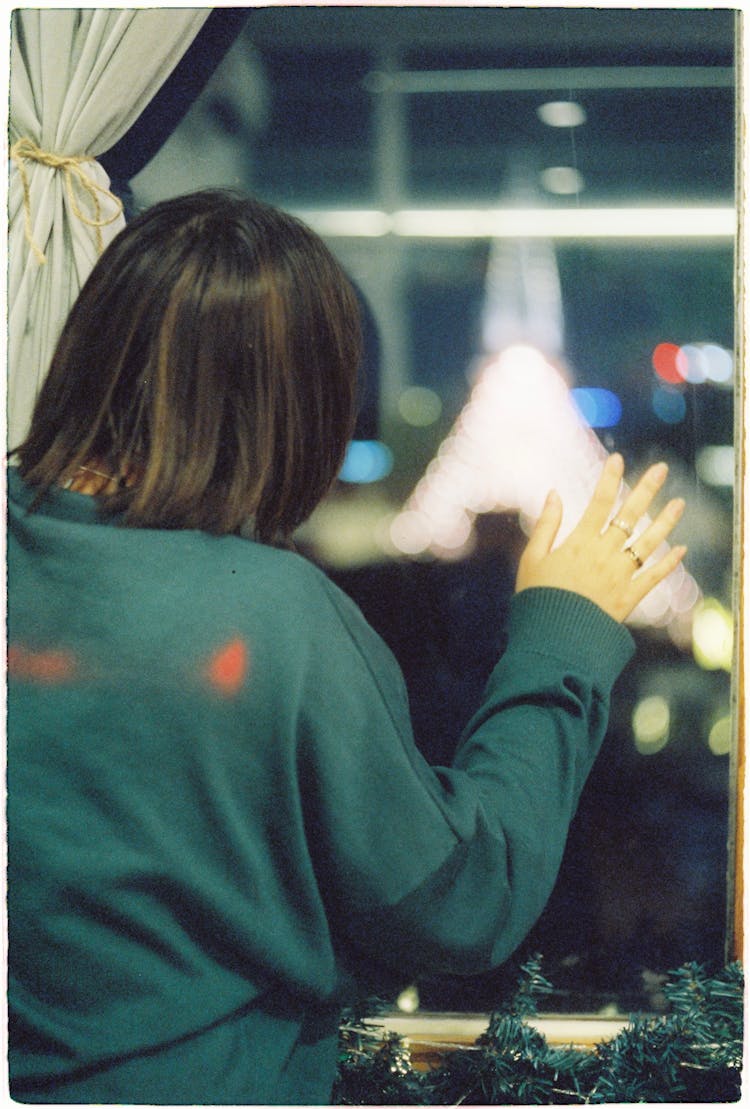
{"points": [[220, 830]]}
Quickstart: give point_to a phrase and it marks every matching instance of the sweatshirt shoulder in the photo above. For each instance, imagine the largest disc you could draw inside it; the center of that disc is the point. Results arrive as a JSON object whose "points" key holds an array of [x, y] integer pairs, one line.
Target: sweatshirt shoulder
{"points": [[288, 581]]}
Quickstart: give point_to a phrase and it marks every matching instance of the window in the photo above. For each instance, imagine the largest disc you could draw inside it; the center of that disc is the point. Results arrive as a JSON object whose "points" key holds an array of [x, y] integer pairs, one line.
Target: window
{"points": [[563, 179]]}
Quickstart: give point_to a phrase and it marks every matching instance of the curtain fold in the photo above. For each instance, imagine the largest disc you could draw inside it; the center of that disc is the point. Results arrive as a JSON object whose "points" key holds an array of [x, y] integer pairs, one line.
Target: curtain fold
{"points": [[79, 79], [174, 99]]}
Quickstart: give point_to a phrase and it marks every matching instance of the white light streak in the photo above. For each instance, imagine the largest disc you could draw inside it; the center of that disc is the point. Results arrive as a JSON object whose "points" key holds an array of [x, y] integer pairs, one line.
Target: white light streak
{"points": [[525, 223], [537, 80], [565, 223], [348, 223]]}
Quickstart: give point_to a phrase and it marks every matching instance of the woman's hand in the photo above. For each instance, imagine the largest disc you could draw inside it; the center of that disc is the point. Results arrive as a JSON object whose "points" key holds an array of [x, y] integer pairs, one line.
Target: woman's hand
{"points": [[604, 565]]}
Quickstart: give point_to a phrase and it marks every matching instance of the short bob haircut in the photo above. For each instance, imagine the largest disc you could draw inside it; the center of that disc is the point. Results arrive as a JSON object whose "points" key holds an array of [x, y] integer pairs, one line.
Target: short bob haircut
{"points": [[213, 352]]}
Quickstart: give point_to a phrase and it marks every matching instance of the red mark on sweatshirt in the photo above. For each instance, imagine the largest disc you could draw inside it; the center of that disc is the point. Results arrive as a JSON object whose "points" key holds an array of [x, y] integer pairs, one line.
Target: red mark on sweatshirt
{"points": [[47, 667], [227, 667]]}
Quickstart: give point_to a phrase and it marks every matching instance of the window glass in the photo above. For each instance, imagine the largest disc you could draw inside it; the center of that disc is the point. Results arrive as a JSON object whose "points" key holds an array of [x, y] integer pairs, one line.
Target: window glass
{"points": [[601, 144]]}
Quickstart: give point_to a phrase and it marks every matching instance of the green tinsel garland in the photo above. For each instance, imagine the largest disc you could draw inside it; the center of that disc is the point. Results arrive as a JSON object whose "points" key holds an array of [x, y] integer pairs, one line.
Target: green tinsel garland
{"points": [[692, 1054]]}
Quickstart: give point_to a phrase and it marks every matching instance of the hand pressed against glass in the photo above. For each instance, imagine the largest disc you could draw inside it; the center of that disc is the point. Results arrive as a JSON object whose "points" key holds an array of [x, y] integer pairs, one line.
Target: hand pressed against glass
{"points": [[599, 559]]}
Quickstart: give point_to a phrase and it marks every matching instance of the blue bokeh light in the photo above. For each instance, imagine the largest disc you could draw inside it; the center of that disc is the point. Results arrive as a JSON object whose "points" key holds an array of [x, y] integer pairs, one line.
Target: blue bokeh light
{"points": [[669, 405], [366, 460], [598, 407]]}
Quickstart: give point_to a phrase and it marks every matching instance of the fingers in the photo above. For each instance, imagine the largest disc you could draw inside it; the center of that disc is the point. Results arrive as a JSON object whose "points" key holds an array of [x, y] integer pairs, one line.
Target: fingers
{"points": [[600, 559], [650, 576], [657, 532], [605, 495], [546, 527], [637, 502]]}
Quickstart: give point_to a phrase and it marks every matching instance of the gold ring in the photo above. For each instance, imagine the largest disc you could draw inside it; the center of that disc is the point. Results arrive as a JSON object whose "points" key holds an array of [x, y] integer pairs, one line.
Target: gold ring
{"points": [[618, 522], [635, 557]]}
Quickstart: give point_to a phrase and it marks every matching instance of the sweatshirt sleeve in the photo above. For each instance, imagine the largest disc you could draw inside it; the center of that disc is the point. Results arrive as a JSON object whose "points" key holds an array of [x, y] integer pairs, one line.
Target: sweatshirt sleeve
{"points": [[435, 870]]}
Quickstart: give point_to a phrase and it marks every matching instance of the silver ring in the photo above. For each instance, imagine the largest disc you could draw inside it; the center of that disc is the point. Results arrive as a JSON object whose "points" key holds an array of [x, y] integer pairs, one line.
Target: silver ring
{"points": [[635, 557], [618, 522]]}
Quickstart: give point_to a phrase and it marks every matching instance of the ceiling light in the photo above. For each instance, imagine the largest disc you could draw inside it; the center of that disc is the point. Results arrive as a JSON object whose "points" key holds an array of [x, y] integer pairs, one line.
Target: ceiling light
{"points": [[526, 223], [562, 180], [561, 113]]}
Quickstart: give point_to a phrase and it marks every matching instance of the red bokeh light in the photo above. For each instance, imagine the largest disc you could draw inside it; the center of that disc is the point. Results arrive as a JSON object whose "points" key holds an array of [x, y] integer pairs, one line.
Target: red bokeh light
{"points": [[670, 363], [228, 666], [51, 667]]}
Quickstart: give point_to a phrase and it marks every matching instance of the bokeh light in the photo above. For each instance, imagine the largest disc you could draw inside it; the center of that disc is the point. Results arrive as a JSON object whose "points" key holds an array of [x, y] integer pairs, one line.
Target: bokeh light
{"points": [[366, 460], [419, 406], [650, 721], [520, 435], [562, 180], [669, 405], [561, 113], [692, 365], [713, 631], [669, 363], [599, 407], [715, 465], [408, 1000], [719, 363], [410, 532], [702, 362], [720, 736]]}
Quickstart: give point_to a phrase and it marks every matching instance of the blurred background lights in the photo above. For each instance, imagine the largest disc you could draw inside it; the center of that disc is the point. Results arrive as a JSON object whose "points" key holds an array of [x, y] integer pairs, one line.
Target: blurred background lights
{"points": [[419, 406], [408, 1000], [599, 407], [651, 719], [411, 533], [719, 363], [695, 363], [520, 435], [562, 180], [715, 465], [712, 635], [669, 405], [692, 365], [720, 736], [706, 362], [366, 460], [561, 113], [669, 363]]}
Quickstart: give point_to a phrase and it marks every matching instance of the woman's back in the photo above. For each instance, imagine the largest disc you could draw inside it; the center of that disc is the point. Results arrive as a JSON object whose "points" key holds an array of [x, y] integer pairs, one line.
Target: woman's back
{"points": [[153, 747], [220, 829]]}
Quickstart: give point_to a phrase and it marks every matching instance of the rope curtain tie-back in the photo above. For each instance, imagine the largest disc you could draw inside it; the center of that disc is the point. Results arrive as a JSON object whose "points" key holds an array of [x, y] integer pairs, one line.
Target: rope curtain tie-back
{"points": [[26, 150]]}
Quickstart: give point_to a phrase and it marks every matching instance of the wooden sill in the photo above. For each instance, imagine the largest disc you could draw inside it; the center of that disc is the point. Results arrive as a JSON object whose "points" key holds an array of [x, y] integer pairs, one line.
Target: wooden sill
{"points": [[429, 1036]]}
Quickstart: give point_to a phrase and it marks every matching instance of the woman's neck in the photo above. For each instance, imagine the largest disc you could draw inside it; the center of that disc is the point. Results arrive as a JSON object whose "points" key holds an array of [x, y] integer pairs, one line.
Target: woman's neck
{"points": [[95, 479]]}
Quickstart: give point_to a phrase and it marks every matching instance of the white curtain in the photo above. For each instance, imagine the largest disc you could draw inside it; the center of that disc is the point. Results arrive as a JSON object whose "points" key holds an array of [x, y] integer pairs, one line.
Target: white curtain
{"points": [[79, 79]]}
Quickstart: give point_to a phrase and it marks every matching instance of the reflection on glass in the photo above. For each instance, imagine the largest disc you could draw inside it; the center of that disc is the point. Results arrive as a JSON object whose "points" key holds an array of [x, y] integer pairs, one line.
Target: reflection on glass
{"points": [[446, 155]]}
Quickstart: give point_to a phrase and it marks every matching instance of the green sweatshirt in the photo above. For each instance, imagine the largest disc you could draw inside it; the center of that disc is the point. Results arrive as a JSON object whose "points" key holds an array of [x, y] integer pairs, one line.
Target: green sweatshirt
{"points": [[220, 829]]}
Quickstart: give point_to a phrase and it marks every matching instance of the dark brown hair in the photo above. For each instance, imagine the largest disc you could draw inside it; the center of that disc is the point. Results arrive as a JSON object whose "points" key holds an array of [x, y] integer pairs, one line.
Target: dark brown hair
{"points": [[214, 349]]}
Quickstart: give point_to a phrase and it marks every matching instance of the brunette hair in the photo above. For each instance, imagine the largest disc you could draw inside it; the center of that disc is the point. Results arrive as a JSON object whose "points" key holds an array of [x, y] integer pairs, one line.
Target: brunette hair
{"points": [[214, 350]]}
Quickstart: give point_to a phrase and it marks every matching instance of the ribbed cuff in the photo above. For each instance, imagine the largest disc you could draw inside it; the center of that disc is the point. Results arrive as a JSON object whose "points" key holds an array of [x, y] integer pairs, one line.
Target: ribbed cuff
{"points": [[562, 624]]}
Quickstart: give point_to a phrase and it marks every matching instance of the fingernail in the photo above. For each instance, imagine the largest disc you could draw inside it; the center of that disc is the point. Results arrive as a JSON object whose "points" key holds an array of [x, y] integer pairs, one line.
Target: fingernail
{"points": [[616, 461], [677, 506], [660, 470]]}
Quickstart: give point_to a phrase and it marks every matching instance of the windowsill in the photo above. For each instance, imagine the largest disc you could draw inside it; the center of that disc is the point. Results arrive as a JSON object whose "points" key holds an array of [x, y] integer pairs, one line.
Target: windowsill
{"points": [[429, 1034]]}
